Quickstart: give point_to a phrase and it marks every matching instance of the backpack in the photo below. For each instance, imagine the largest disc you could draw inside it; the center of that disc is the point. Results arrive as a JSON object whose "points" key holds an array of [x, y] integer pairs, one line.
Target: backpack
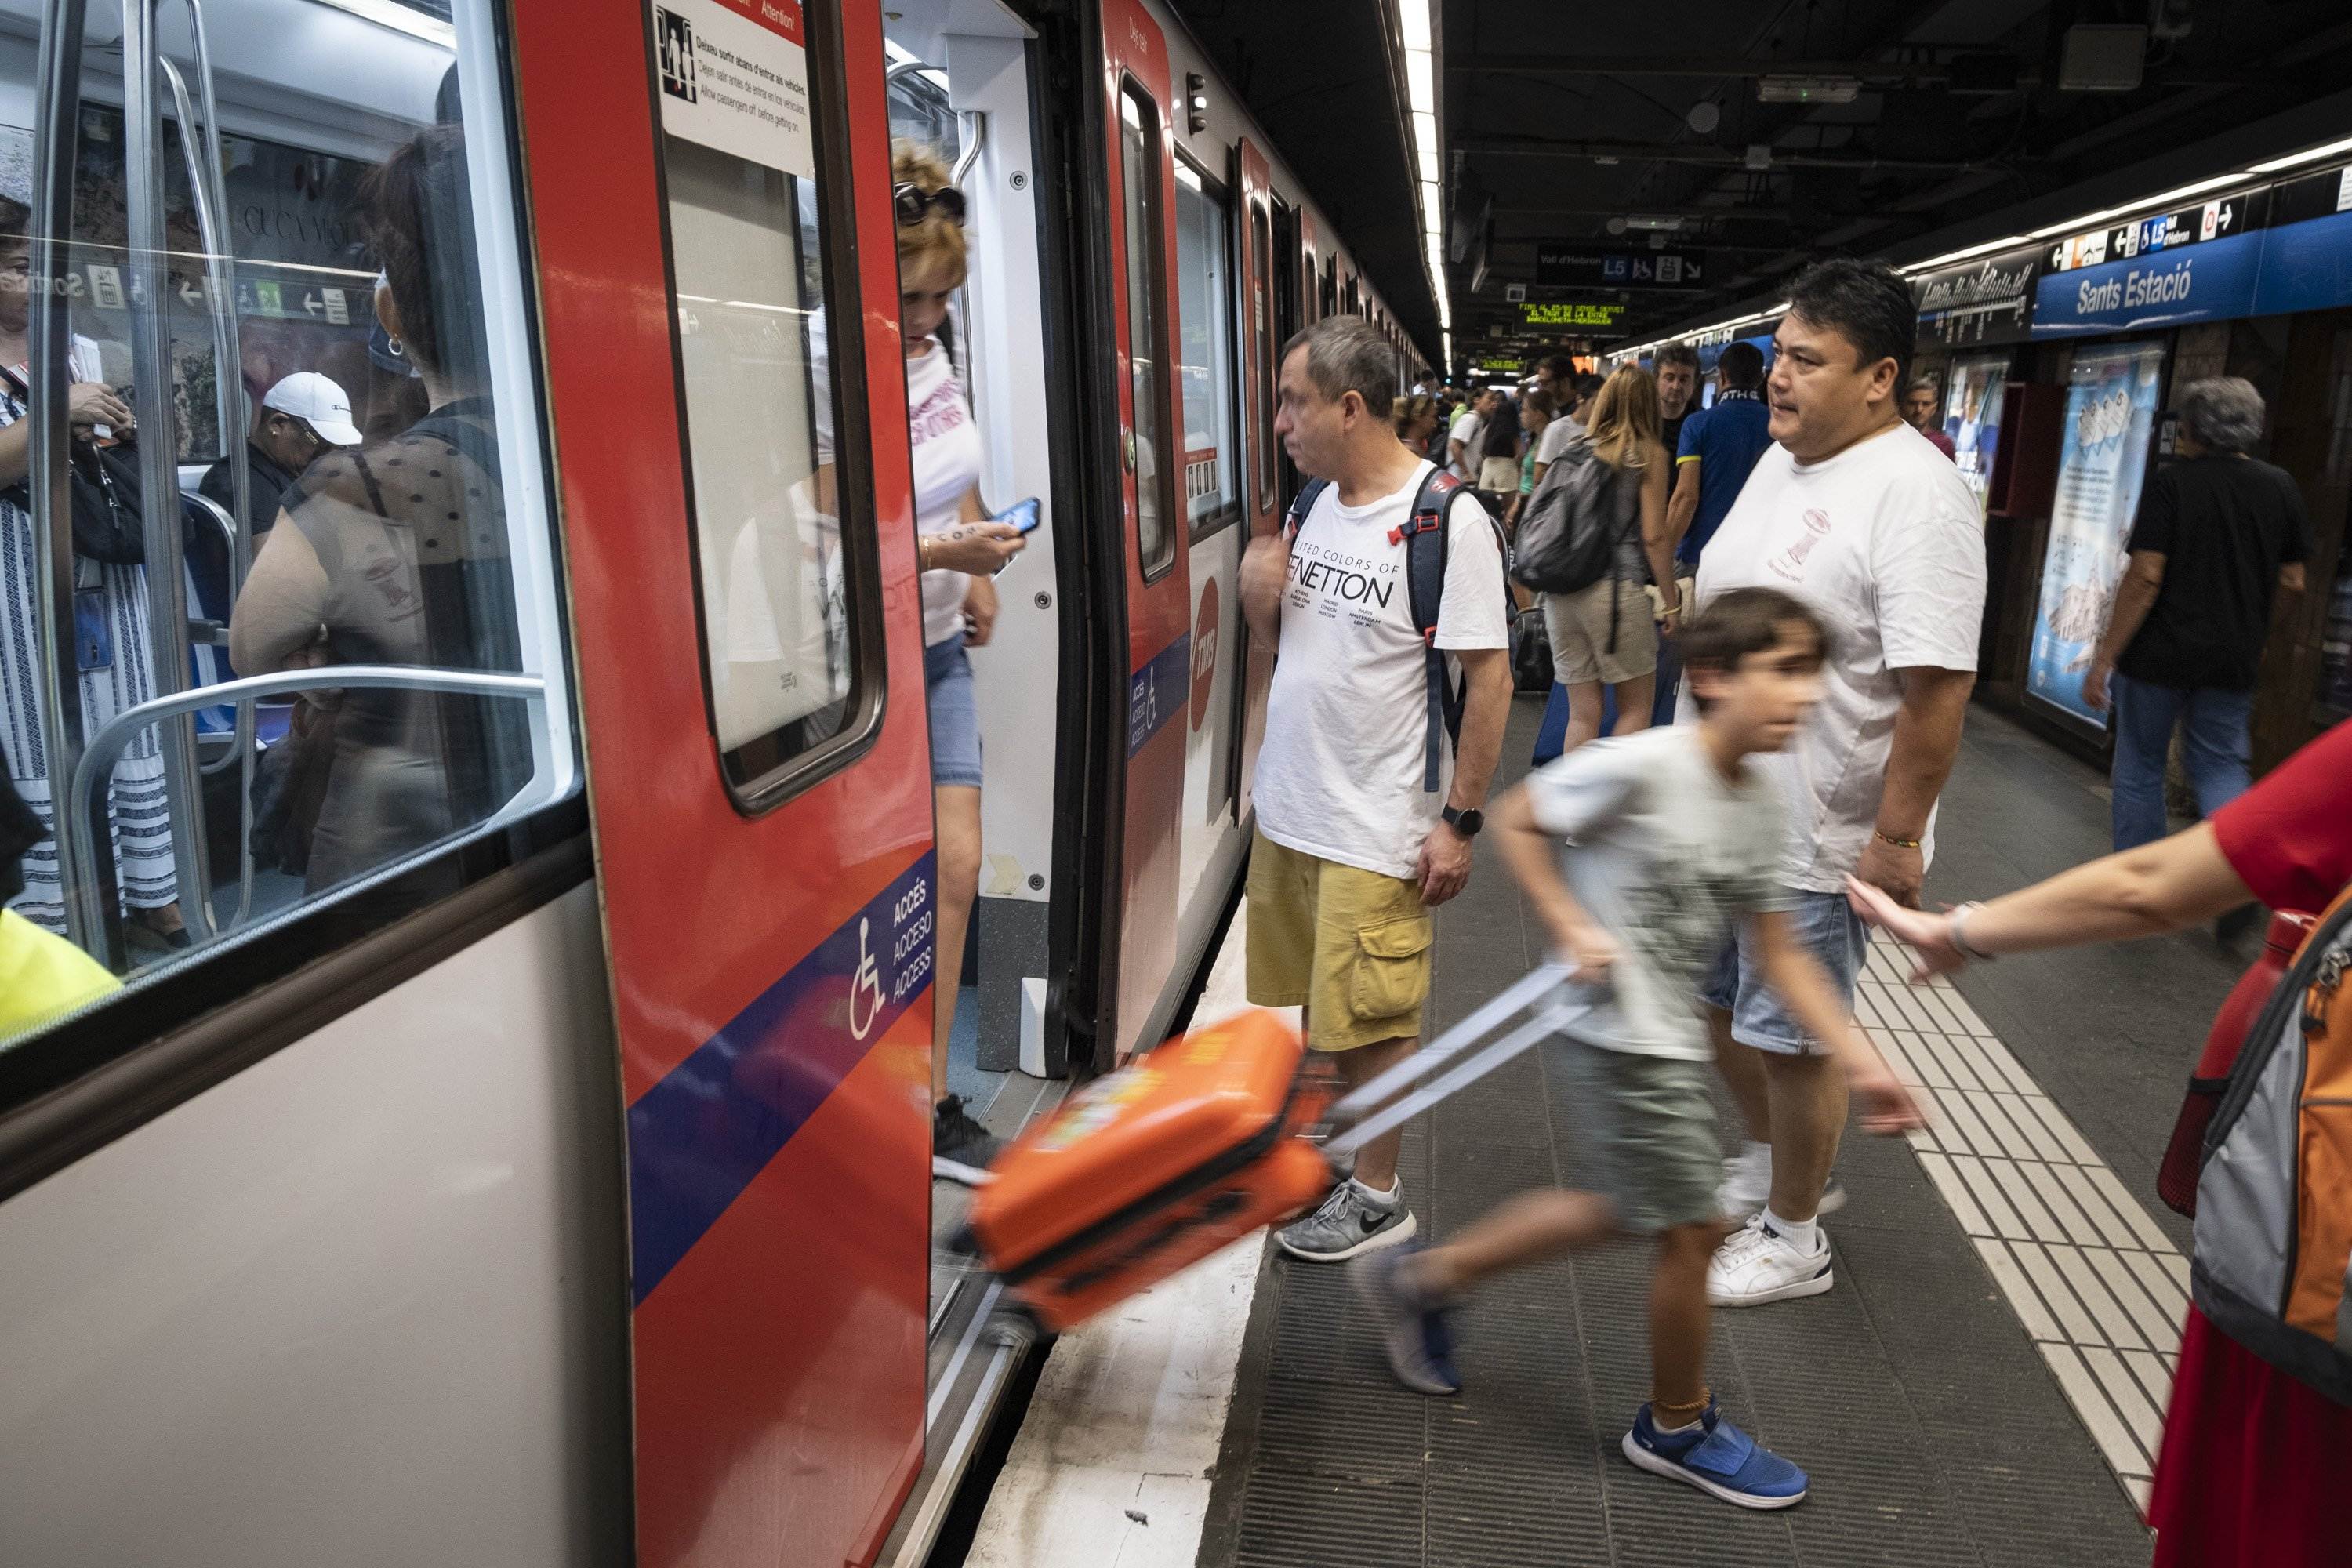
{"points": [[1573, 523], [1424, 536], [2275, 1192]]}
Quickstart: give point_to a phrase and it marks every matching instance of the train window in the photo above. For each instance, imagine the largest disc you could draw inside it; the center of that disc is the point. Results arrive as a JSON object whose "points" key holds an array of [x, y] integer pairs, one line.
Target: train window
{"points": [[1203, 316], [1139, 166], [314, 351], [786, 588], [1262, 349]]}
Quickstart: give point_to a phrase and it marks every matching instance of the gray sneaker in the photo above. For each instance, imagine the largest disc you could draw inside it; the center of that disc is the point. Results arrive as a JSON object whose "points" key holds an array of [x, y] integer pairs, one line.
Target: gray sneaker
{"points": [[1350, 1223]]}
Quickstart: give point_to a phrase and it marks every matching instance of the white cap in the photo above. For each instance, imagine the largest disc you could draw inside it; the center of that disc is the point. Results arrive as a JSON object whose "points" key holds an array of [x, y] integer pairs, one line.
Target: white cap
{"points": [[318, 403]]}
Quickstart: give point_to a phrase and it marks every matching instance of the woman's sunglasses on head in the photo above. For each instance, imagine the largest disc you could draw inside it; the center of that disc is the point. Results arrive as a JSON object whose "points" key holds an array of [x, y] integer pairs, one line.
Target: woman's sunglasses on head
{"points": [[914, 203]]}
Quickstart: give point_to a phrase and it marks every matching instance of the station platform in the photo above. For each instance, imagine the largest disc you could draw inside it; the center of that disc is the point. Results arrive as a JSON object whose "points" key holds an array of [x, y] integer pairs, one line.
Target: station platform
{"points": [[1983, 1385]]}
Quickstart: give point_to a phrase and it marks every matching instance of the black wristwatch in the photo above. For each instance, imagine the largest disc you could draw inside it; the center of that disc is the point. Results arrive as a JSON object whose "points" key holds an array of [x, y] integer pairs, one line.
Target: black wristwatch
{"points": [[1466, 823]]}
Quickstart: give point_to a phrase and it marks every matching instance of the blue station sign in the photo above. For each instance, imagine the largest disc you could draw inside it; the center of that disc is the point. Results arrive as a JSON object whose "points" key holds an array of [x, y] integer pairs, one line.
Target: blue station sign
{"points": [[2166, 288]]}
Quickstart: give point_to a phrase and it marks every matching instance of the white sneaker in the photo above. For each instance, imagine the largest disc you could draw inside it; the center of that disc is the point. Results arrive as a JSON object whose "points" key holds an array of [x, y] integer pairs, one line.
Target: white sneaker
{"points": [[1747, 1183], [1760, 1264]]}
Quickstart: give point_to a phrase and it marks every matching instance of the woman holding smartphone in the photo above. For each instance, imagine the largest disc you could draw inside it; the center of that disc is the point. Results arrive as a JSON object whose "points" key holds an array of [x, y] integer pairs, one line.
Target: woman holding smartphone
{"points": [[960, 548]]}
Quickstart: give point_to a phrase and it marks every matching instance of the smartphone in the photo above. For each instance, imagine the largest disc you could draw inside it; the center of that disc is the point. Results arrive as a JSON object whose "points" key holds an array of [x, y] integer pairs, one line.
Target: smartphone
{"points": [[1023, 515]]}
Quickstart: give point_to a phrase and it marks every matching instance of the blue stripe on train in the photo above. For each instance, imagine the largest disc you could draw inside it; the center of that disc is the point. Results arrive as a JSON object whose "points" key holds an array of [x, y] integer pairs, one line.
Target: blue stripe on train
{"points": [[702, 1134], [1158, 692]]}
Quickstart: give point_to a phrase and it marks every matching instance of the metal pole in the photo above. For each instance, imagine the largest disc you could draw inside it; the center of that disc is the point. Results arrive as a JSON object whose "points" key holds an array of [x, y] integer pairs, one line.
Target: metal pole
{"points": [[85, 881], [159, 486], [208, 191], [87, 785]]}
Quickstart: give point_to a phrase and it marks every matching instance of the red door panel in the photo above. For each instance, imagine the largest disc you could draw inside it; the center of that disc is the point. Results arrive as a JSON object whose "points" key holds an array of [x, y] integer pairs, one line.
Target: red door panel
{"points": [[1158, 618], [774, 1024]]}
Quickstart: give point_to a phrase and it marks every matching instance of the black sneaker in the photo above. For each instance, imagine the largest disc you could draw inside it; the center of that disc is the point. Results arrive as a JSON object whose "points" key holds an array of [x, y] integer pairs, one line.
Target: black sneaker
{"points": [[956, 1136]]}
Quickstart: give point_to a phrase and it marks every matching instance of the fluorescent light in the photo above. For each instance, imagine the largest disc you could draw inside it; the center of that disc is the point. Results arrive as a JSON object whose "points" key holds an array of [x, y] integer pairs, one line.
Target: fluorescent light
{"points": [[2309, 155], [1415, 15], [1429, 171], [1949, 256], [1424, 128], [1420, 81], [1806, 88], [2162, 199]]}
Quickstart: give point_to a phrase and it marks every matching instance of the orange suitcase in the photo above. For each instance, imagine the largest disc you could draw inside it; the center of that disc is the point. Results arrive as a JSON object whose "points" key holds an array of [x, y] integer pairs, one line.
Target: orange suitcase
{"points": [[1194, 1145]]}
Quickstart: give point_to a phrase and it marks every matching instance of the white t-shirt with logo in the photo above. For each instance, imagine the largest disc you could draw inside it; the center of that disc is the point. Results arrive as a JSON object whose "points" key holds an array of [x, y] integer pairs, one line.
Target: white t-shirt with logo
{"points": [[1468, 426], [947, 458], [1882, 542], [1556, 439], [1668, 855], [1347, 718]]}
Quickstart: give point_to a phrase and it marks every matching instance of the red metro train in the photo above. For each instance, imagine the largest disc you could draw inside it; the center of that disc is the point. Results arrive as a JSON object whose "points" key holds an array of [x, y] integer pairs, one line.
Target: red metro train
{"points": [[537, 1172]]}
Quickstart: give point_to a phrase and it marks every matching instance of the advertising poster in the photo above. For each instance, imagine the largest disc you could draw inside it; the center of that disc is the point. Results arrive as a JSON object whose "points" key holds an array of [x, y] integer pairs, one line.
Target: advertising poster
{"points": [[2111, 407], [1972, 399]]}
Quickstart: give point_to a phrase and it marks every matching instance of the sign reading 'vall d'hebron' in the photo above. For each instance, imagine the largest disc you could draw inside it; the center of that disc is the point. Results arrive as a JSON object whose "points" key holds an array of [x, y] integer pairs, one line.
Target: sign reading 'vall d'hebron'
{"points": [[1987, 302]]}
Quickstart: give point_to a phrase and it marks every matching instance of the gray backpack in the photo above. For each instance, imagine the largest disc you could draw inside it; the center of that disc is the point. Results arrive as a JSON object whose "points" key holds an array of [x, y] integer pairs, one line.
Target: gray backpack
{"points": [[1574, 523]]}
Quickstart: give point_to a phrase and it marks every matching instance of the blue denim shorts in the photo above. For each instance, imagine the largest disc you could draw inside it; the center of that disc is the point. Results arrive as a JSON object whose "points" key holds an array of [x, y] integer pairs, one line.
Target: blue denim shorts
{"points": [[955, 717], [1825, 923]]}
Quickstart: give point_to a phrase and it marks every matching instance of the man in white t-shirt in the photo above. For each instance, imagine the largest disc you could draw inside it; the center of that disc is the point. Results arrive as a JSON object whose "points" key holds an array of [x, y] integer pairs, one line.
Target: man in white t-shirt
{"points": [[1352, 849], [1852, 511], [1462, 441]]}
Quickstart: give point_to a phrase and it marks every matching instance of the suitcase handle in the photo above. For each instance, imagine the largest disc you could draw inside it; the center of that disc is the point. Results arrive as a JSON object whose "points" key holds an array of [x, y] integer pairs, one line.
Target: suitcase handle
{"points": [[1534, 991]]}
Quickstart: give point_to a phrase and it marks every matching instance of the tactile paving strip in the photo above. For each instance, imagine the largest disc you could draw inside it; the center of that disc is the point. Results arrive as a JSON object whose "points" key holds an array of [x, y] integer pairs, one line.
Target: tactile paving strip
{"points": [[1930, 1421]]}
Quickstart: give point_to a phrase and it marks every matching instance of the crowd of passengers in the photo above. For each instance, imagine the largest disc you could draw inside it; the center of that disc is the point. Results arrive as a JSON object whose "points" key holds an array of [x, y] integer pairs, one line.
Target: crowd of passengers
{"points": [[379, 539]]}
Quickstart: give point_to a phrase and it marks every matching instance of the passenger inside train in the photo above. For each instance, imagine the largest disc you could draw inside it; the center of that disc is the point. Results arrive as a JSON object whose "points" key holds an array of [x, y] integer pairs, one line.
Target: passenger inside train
{"points": [[665, 656]]}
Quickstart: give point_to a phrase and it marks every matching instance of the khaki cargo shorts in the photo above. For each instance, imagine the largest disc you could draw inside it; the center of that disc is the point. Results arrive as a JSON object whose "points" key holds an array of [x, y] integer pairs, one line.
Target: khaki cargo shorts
{"points": [[1578, 625], [1352, 945]]}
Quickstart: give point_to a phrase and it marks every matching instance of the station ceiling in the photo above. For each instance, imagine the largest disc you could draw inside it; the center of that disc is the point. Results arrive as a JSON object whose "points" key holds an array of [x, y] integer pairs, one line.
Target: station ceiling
{"points": [[1749, 138]]}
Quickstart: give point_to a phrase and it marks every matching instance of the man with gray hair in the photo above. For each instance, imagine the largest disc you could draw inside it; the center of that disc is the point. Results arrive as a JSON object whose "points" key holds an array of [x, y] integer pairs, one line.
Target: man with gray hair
{"points": [[1362, 825], [2218, 534]]}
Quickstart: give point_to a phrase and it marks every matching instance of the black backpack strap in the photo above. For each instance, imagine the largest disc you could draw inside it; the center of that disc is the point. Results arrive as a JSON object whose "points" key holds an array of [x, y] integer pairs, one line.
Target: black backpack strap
{"points": [[1300, 505], [1426, 550]]}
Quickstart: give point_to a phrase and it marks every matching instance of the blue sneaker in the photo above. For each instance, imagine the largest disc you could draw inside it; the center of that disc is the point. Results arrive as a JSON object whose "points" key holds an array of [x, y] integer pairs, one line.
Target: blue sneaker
{"points": [[1418, 1338], [1718, 1458]]}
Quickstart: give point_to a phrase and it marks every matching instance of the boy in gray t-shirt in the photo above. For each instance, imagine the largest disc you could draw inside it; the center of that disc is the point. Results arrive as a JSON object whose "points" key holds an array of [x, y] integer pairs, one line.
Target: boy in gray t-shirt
{"points": [[1670, 838]]}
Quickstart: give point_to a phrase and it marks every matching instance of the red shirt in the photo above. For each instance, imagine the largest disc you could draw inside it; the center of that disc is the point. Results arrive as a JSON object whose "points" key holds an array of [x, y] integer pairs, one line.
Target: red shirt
{"points": [[2289, 839]]}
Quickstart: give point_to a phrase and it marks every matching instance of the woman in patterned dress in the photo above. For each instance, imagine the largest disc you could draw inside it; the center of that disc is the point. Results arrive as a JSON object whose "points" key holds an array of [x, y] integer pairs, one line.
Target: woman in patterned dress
{"points": [[141, 820]]}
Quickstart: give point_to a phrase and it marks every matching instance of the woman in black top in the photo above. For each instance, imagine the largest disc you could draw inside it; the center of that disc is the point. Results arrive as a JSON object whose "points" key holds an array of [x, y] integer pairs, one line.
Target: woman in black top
{"points": [[398, 554]]}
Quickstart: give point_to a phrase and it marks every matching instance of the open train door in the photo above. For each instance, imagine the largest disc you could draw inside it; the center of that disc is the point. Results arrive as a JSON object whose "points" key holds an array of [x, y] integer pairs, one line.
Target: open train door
{"points": [[1261, 486], [1159, 586], [729, 406]]}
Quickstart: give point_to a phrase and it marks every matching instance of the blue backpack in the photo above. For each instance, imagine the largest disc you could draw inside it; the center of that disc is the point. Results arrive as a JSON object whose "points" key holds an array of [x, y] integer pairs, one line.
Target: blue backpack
{"points": [[1424, 536]]}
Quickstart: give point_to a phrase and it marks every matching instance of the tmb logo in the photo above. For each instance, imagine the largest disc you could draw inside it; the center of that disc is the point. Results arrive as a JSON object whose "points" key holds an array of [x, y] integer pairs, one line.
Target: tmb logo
{"points": [[675, 41]]}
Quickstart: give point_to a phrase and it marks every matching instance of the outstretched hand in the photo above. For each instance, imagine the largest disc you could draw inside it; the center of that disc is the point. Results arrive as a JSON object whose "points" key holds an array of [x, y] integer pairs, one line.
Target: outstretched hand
{"points": [[1929, 935]]}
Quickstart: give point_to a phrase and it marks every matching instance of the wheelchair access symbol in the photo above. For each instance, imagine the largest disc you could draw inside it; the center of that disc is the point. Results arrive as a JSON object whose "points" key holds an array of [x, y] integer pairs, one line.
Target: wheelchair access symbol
{"points": [[866, 982]]}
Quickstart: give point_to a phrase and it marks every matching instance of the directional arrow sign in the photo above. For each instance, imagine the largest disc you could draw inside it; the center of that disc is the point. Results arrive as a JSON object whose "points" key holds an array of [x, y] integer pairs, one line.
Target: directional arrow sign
{"points": [[188, 294], [313, 303]]}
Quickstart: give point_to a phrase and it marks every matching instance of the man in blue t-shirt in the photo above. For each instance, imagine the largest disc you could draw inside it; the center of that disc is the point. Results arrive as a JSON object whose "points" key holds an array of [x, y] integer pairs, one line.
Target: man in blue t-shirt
{"points": [[1719, 446]]}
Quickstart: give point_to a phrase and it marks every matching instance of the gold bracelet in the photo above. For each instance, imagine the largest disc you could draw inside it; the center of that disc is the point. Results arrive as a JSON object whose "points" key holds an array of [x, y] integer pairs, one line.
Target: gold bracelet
{"points": [[1898, 843], [922, 552]]}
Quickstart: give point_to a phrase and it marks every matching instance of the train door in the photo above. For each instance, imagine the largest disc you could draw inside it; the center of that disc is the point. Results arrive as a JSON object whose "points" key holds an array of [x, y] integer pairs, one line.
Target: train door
{"points": [[1209, 365], [1262, 488], [723, 354], [1158, 595]]}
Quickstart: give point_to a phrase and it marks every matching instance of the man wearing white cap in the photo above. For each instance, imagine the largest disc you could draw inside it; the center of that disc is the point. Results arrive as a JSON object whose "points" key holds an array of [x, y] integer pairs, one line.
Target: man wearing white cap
{"points": [[300, 417]]}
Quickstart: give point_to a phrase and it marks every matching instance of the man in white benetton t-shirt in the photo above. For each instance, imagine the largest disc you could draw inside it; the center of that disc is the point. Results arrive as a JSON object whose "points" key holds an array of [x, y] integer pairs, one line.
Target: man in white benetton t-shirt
{"points": [[1352, 848], [1852, 511]]}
